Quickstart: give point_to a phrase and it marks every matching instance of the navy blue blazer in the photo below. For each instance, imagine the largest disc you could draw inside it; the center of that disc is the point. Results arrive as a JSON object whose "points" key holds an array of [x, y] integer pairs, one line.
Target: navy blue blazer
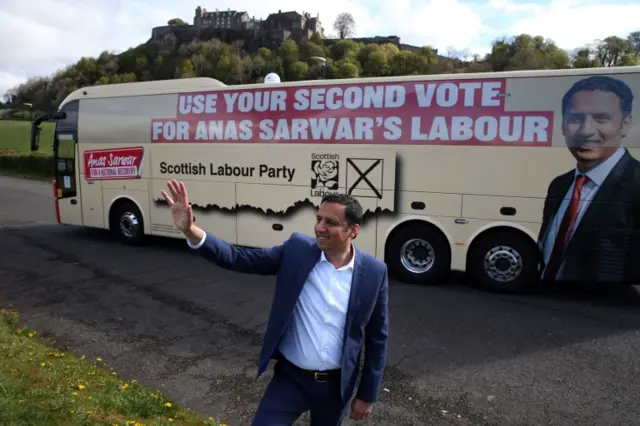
{"points": [[367, 316]]}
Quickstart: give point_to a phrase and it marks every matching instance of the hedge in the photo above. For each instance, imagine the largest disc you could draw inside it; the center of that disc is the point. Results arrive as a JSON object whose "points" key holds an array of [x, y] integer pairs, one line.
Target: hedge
{"points": [[31, 165]]}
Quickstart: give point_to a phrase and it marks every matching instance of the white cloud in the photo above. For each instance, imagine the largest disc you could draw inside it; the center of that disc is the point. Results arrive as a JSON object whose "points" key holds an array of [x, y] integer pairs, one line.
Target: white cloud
{"points": [[42, 36], [574, 23]]}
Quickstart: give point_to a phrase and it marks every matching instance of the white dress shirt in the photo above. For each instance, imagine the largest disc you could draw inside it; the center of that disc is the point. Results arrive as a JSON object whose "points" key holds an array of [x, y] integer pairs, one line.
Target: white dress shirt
{"points": [[596, 176], [314, 338]]}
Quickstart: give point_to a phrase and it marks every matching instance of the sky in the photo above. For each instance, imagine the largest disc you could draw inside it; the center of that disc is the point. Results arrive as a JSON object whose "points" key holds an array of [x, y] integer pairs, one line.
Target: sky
{"points": [[39, 37]]}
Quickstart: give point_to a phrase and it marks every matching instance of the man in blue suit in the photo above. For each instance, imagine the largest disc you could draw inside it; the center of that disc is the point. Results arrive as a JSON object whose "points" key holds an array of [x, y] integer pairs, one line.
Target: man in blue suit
{"points": [[330, 298]]}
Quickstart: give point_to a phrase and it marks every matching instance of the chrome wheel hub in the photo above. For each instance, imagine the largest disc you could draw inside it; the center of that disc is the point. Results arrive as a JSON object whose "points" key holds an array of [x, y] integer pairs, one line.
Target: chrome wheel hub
{"points": [[503, 264], [129, 225], [417, 256]]}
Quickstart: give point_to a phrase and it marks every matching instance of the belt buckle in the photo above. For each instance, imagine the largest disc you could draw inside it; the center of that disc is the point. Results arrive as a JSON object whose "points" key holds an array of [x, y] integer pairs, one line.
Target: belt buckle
{"points": [[316, 376]]}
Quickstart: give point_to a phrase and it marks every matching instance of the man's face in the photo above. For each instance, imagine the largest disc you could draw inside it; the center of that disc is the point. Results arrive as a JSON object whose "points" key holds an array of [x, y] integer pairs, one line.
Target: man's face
{"points": [[332, 230], [594, 126]]}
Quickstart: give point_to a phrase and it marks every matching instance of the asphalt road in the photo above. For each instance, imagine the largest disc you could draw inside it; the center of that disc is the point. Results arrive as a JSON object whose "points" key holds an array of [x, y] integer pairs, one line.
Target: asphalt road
{"points": [[458, 356]]}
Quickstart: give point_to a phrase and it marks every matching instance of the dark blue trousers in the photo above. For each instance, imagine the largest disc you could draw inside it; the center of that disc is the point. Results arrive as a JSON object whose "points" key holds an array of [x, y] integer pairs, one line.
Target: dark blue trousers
{"points": [[292, 393]]}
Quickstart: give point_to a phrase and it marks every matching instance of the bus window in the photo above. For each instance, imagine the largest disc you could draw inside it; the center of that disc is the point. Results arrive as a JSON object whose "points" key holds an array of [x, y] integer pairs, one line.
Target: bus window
{"points": [[64, 152]]}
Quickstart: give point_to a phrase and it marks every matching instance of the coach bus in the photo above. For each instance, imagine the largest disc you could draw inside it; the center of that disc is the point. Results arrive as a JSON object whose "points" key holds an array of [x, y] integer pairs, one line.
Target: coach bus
{"points": [[514, 178]]}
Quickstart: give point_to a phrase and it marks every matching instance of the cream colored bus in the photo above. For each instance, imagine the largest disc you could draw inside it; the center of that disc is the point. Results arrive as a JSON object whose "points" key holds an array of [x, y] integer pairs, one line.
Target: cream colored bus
{"points": [[468, 172]]}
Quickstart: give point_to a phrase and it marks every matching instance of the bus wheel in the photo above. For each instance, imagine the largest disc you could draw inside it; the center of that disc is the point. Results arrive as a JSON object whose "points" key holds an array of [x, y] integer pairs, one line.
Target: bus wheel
{"points": [[127, 223], [503, 261], [418, 254]]}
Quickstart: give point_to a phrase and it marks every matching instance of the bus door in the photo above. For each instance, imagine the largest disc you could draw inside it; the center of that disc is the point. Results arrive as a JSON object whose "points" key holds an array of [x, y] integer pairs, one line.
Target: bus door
{"points": [[65, 172]]}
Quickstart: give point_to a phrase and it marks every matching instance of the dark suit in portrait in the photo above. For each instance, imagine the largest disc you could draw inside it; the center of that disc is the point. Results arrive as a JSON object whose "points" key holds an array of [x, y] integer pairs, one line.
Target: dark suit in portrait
{"points": [[591, 220], [606, 244]]}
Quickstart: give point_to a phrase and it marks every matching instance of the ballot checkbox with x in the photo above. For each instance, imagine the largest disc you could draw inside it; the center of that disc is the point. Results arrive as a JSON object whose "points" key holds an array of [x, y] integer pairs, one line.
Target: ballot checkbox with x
{"points": [[365, 177]]}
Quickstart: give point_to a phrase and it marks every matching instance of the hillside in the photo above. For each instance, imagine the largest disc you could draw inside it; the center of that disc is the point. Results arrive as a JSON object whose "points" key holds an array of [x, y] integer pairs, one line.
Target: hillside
{"points": [[166, 58]]}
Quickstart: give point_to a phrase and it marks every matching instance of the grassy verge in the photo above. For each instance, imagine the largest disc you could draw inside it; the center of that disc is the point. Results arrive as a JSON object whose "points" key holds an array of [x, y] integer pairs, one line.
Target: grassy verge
{"points": [[39, 176], [42, 386], [26, 166]]}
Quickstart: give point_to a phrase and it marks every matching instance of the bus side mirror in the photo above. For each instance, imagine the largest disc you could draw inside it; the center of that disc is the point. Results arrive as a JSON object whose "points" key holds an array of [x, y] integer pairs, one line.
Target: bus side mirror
{"points": [[34, 137]]}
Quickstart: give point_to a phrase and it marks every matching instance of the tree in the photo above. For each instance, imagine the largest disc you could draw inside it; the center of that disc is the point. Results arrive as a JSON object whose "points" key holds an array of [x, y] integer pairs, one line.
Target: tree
{"points": [[611, 50], [345, 69], [176, 22], [376, 64], [526, 52], [345, 25], [345, 49], [634, 43], [583, 58]]}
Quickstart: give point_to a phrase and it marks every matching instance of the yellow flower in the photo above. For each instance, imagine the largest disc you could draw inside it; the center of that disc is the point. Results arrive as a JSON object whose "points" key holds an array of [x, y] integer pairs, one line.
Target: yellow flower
{"points": [[43, 364], [31, 334], [125, 386], [167, 404], [170, 419], [99, 359], [81, 387]]}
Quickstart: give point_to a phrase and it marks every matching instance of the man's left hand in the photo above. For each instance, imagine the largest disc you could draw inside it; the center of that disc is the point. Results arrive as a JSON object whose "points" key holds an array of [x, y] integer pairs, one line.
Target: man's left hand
{"points": [[360, 410]]}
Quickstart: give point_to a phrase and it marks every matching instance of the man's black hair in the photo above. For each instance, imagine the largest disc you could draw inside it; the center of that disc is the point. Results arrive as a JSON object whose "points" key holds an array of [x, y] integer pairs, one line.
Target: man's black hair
{"points": [[352, 208], [606, 84]]}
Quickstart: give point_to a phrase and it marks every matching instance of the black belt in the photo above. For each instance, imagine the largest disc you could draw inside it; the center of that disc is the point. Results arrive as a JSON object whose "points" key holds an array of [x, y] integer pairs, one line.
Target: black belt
{"points": [[318, 376]]}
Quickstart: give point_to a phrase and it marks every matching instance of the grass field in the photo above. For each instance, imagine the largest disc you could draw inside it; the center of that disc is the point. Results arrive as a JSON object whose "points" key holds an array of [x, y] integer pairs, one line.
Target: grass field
{"points": [[14, 138], [16, 158], [40, 385]]}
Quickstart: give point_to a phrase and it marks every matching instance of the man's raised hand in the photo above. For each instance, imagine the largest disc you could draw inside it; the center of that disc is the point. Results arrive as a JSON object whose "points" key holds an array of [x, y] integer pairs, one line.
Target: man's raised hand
{"points": [[180, 207]]}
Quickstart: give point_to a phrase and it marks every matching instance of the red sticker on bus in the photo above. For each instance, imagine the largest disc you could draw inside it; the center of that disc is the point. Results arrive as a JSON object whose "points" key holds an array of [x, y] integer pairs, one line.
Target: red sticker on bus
{"points": [[113, 163]]}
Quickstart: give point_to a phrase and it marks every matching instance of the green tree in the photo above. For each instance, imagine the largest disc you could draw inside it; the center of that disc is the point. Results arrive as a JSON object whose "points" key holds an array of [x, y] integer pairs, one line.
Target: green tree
{"points": [[185, 69], [345, 69], [614, 51], [176, 22], [376, 64], [583, 59], [298, 71], [408, 63], [345, 49], [526, 52]]}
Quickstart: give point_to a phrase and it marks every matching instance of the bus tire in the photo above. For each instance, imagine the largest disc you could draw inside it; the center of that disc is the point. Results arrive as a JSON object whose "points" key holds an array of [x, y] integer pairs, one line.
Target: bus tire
{"points": [[418, 254], [503, 262], [127, 224]]}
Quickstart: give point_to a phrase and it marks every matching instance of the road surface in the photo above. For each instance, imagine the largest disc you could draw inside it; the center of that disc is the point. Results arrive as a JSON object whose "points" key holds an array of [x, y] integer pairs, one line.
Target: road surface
{"points": [[458, 356]]}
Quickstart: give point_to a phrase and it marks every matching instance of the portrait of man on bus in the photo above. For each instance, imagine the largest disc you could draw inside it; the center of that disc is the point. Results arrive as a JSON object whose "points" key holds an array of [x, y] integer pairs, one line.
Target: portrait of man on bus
{"points": [[591, 219]]}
